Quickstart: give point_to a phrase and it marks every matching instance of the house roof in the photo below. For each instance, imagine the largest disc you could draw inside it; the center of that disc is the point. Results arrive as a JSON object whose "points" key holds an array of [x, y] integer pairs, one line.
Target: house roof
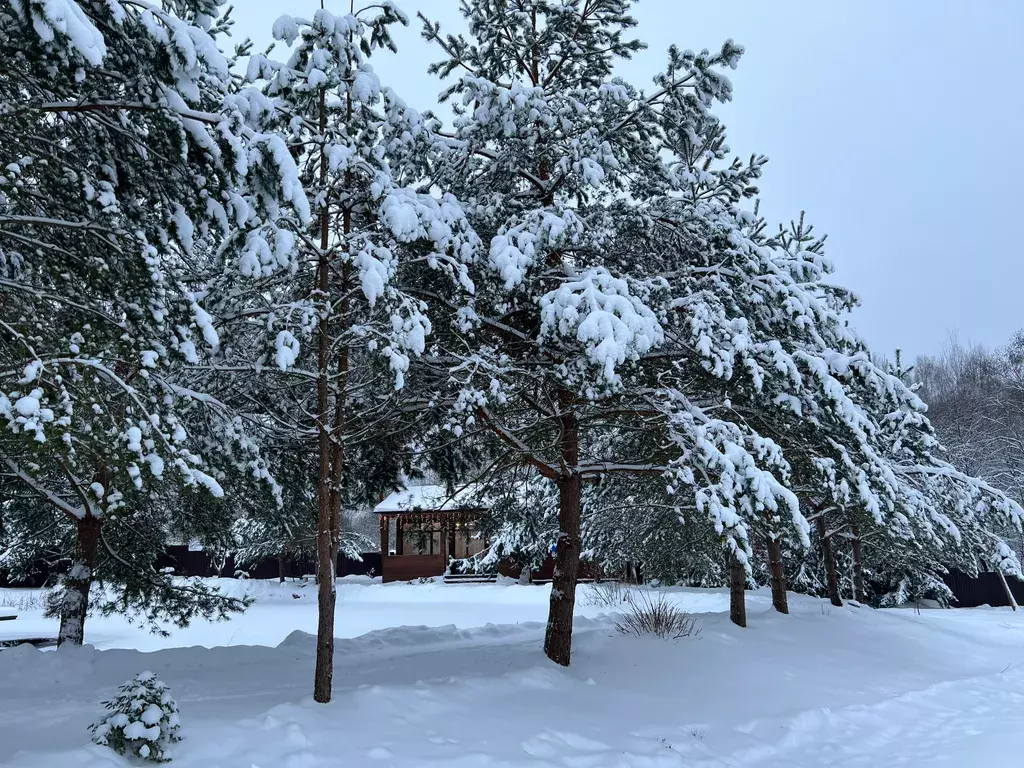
{"points": [[427, 498]]}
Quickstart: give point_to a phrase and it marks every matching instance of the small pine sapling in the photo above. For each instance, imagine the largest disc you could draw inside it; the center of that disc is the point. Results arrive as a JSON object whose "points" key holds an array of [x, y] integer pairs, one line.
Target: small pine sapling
{"points": [[142, 720]]}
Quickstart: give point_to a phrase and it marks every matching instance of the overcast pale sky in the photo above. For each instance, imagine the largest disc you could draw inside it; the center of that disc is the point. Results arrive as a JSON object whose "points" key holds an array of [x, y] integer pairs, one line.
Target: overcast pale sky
{"points": [[895, 124]]}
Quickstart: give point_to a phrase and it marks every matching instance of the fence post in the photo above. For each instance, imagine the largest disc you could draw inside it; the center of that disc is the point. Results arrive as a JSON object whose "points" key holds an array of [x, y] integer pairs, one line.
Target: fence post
{"points": [[1006, 587]]}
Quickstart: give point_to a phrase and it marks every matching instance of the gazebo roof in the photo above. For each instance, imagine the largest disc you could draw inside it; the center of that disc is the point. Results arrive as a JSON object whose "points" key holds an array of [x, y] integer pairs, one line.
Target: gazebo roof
{"points": [[428, 498]]}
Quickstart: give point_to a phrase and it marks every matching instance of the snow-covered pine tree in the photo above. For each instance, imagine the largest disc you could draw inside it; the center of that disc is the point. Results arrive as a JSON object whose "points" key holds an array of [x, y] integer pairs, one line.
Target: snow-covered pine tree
{"points": [[141, 721], [737, 388], [775, 403], [950, 517], [769, 407], [329, 335], [122, 150], [556, 357], [906, 513]]}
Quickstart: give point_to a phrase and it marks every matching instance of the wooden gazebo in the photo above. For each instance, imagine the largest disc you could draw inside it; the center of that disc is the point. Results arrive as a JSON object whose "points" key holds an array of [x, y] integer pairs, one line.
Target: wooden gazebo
{"points": [[428, 526]]}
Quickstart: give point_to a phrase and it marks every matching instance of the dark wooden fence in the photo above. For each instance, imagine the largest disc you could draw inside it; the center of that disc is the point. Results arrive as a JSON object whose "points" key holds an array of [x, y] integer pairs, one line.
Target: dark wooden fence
{"points": [[984, 589], [185, 562], [188, 563], [969, 591]]}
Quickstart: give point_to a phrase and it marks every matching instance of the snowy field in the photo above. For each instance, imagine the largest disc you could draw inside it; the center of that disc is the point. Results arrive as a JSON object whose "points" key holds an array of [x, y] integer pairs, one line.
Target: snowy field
{"points": [[470, 688]]}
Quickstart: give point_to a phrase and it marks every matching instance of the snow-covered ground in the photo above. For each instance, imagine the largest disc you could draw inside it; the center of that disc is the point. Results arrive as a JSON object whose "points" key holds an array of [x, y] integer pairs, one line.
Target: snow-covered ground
{"points": [[364, 605], [821, 687]]}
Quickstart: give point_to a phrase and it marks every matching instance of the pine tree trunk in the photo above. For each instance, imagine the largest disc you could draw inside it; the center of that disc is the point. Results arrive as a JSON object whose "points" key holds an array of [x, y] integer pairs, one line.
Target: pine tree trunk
{"points": [[737, 592], [340, 427], [338, 456], [324, 673], [75, 602], [338, 433], [778, 576], [280, 568], [3, 570], [830, 561], [323, 676], [859, 593], [558, 638]]}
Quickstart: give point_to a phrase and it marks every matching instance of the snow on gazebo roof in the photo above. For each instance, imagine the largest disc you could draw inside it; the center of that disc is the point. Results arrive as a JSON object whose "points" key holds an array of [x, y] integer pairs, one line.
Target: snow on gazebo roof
{"points": [[427, 498]]}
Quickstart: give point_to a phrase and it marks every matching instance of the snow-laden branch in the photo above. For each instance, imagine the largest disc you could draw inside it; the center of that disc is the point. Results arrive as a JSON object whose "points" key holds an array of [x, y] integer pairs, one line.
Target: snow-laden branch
{"points": [[61, 223], [76, 513], [207, 118]]}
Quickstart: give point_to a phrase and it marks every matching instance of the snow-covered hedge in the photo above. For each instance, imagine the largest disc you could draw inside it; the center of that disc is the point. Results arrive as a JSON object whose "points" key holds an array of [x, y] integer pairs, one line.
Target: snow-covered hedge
{"points": [[142, 720]]}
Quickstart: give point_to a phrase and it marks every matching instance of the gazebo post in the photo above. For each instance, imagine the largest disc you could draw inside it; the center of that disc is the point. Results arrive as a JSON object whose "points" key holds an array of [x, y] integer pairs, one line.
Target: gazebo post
{"points": [[443, 540], [385, 526]]}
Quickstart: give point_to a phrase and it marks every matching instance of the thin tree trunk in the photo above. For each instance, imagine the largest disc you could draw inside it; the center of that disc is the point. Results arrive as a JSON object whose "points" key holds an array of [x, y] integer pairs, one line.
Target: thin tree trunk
{"points": [[1009, 595], [534, 51], [75, 602], [338, 453], [324, 673], [3, 570], [558, 638], [737, 592], [779, 597], [830, 561], [280, 568], [341, 396], [859, 593]]}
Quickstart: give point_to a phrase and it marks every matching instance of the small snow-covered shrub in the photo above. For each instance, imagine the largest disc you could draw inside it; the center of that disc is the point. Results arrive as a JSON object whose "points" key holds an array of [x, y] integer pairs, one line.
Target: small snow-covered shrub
{"points": [[142, 720], [655, 616]]}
